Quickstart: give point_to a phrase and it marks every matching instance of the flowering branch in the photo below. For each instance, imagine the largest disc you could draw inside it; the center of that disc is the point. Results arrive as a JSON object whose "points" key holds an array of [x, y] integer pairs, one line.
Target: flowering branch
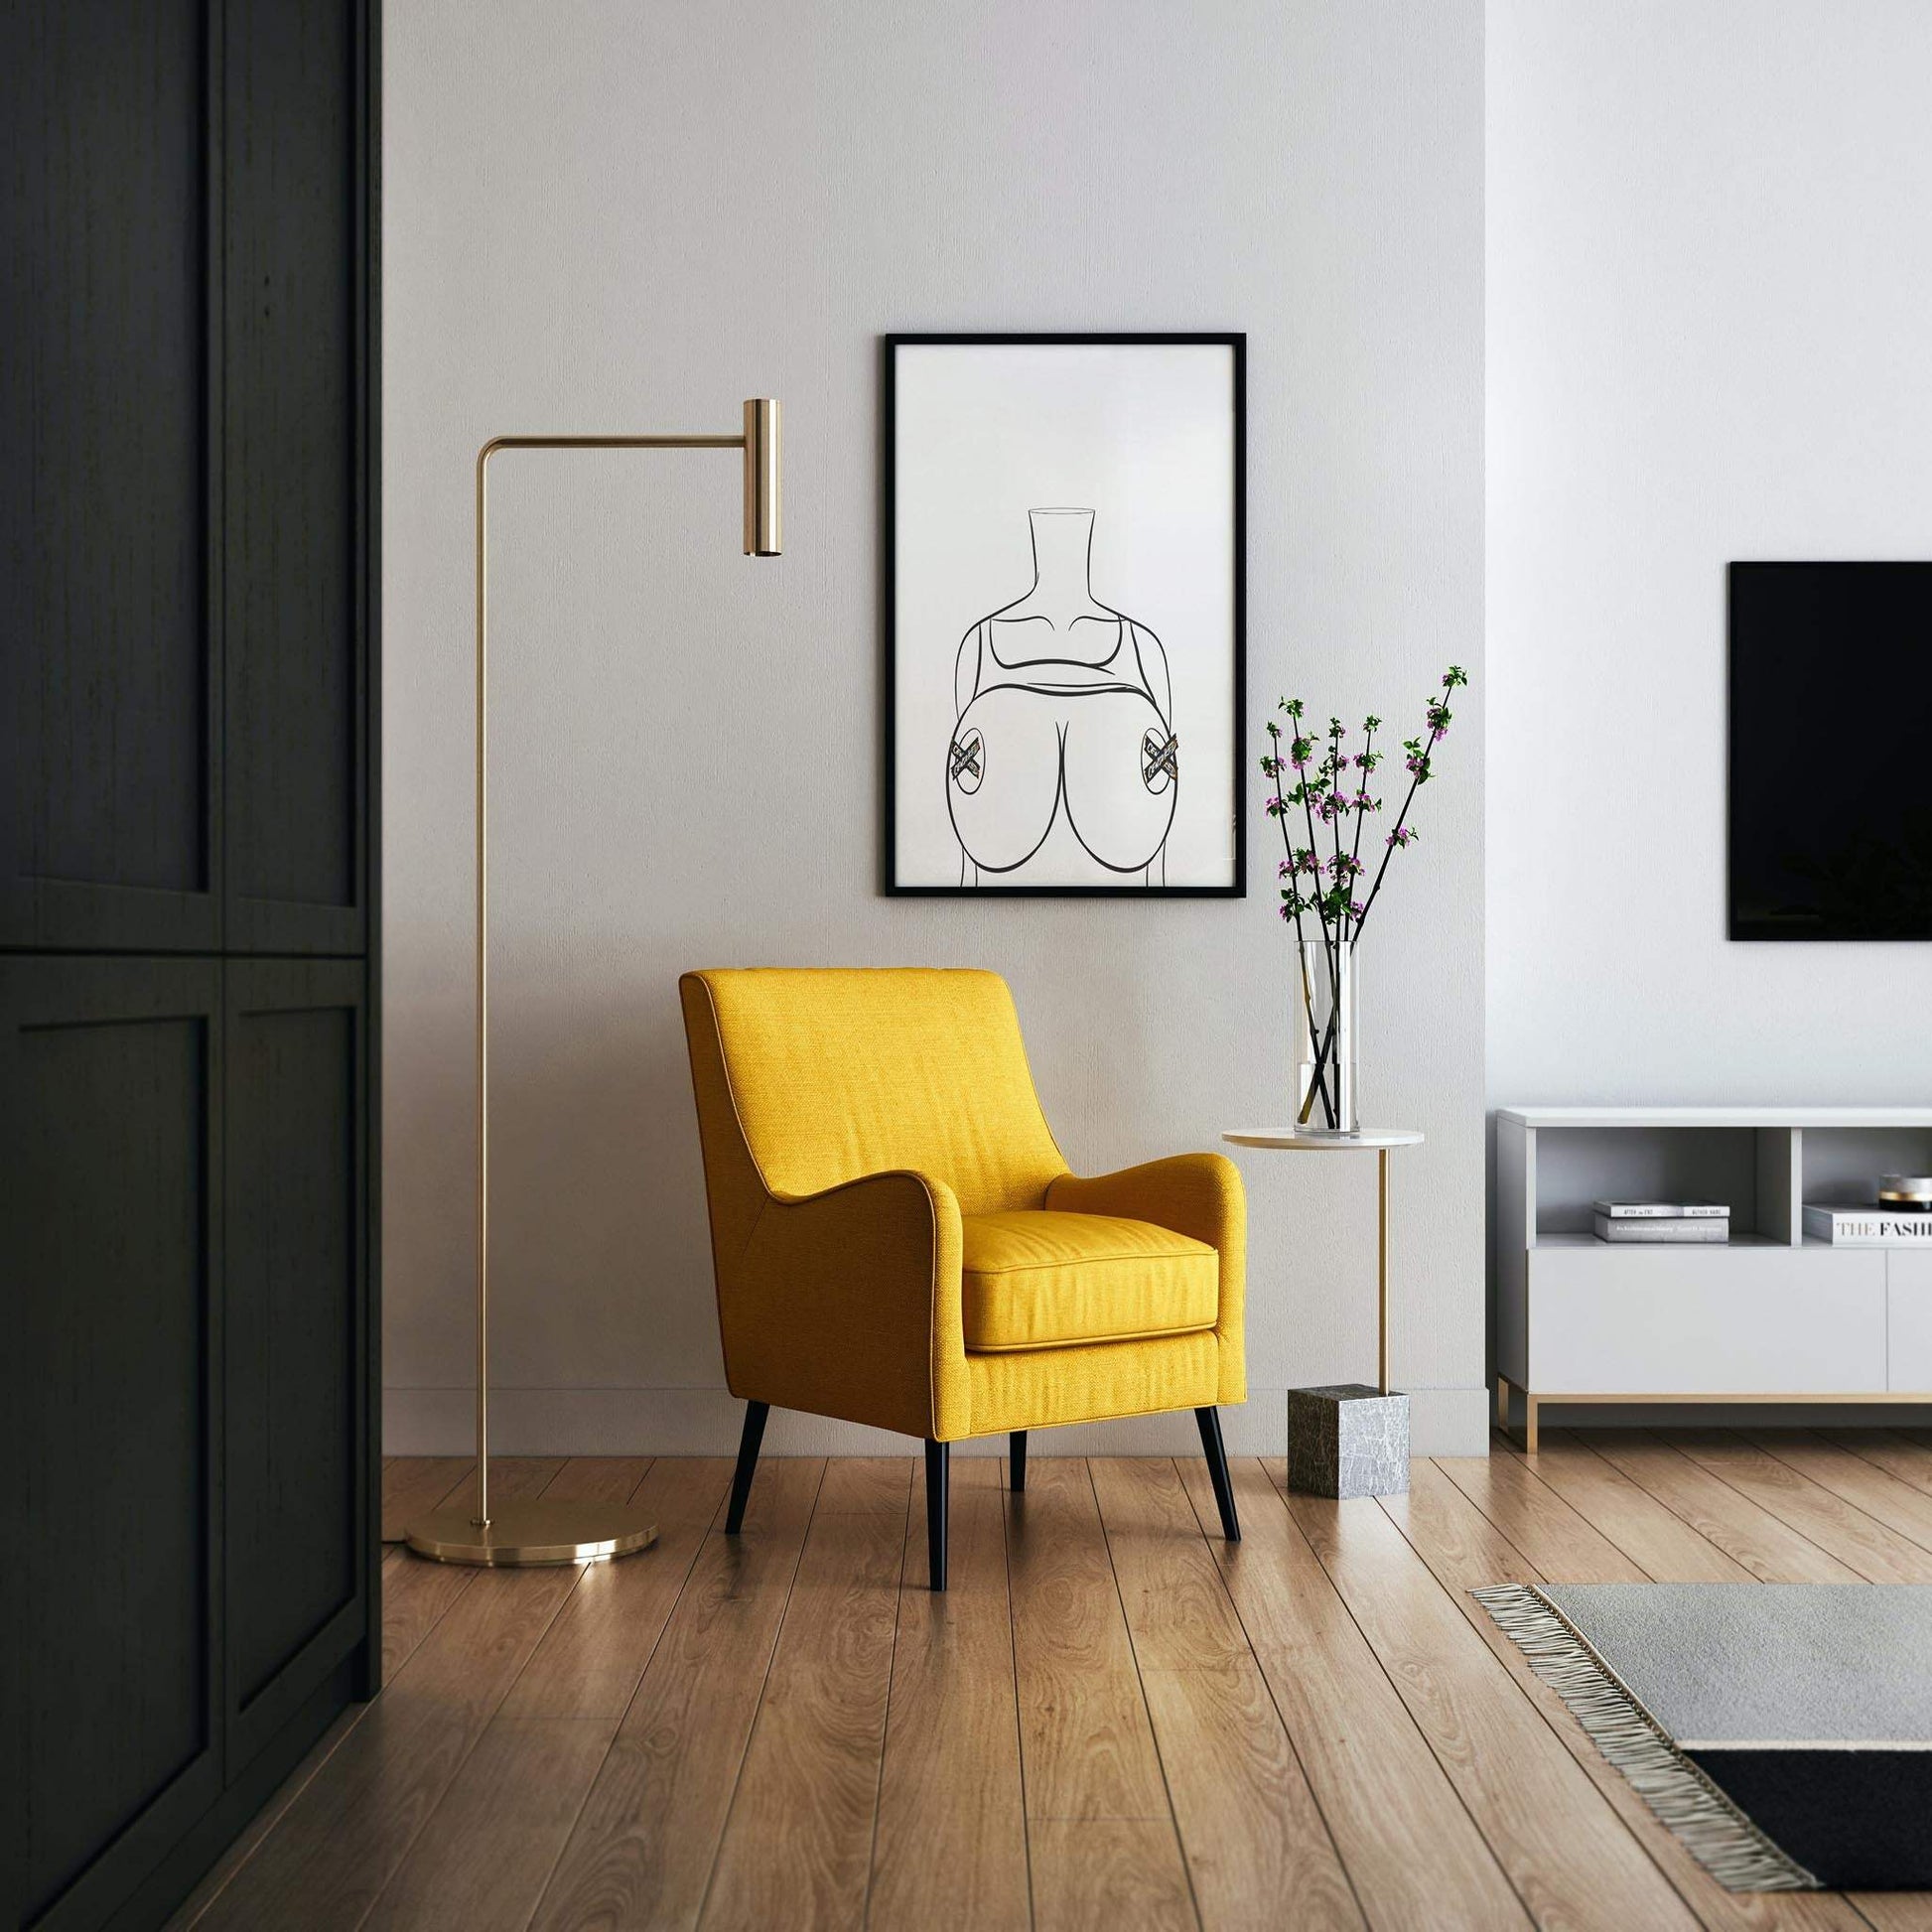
{"points": [[1435, 723], [1296, 862], [1330, 887]]}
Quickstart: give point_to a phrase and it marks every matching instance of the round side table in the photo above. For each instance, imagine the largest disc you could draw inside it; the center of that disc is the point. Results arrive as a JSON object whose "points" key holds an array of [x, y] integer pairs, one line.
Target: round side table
{"points": [[1346, 1439]]}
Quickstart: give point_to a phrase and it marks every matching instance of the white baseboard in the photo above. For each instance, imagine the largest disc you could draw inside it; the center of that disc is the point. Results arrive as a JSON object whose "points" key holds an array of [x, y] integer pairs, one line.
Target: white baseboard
{"points": [[1450, 1422], [706, 1421]]}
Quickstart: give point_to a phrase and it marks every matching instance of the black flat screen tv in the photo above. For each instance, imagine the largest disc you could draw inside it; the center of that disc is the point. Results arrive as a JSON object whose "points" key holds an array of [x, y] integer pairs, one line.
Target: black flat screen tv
{"points": [[1831, 751]]}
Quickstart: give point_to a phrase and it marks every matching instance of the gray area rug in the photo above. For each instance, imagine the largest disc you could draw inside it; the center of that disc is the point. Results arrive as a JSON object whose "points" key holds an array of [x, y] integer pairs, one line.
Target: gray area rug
{"points": [[1782, 1730]]}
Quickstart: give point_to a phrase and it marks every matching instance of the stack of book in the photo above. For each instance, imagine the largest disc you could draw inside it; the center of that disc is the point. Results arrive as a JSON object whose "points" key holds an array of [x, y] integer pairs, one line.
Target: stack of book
{"points": [[1868, 1227], [1662, 1223]]}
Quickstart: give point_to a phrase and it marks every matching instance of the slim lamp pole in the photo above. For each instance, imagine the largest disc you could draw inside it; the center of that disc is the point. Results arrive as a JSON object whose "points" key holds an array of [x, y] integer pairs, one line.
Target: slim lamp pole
{"points": [[536, 1531]]}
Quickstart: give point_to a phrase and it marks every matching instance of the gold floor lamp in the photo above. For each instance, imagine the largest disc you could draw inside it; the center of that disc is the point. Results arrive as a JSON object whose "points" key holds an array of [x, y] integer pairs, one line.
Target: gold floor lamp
{"points": [[536, 1530]]}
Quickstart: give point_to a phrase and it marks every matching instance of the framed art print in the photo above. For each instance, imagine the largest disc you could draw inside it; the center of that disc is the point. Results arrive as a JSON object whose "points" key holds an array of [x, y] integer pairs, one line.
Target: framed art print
{"points": [[1065, 614]]}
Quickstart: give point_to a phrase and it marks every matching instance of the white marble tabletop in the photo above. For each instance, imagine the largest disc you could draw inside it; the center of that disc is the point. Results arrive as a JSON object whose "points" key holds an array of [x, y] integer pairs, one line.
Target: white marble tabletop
{"points": [[1299, 1141]]}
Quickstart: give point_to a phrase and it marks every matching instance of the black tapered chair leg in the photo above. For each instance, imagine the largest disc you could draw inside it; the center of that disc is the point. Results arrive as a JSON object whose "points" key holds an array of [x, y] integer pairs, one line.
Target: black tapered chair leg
{"points": [[938, 1467], [1218, 1471], [1016, 1460], [748, 1462]]}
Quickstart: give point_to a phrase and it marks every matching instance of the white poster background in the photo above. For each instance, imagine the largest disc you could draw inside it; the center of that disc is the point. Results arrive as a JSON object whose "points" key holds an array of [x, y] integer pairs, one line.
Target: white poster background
{"points": [[1141, 434]]}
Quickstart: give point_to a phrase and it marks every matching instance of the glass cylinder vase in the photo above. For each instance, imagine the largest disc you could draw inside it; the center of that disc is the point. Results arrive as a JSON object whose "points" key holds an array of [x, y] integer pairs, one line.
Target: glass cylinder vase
{"points": [[1324, 1038]]}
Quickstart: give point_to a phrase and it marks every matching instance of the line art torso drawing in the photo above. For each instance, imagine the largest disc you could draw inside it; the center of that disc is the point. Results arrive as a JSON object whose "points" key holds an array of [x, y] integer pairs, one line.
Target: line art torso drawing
{"points": [[1064, 708]]}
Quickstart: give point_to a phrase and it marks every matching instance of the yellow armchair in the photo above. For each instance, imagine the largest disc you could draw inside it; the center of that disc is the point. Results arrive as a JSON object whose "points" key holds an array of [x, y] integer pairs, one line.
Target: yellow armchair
{"points": [[897, 1241]]}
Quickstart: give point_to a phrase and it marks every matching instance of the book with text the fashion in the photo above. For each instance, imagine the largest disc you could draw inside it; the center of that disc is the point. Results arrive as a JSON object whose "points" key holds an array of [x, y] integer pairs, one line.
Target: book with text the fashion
{"points": [[1867, 1227]]}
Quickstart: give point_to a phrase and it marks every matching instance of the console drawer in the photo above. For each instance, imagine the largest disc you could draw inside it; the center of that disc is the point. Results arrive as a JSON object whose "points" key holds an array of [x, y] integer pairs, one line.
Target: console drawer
{"points": [[1755, 1319], [1909, 1323]]}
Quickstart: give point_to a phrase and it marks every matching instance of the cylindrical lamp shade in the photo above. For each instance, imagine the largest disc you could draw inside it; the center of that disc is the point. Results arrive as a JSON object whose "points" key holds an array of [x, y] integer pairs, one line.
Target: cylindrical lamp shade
{"points": [[762, 534]]}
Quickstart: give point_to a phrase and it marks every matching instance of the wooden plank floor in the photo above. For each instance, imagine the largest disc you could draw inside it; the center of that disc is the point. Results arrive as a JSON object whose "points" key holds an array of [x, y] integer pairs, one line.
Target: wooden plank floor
{"points": [[1111, 1720]]}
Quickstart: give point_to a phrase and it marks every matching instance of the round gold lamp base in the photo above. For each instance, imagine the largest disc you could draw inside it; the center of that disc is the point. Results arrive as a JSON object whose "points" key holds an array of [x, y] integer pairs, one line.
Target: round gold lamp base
{"points": [[533, 1531]]}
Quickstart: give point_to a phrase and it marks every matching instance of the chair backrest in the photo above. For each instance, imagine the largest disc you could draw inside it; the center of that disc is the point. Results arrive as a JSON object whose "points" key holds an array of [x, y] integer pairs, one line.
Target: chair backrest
{"points": [[836, 1072]]}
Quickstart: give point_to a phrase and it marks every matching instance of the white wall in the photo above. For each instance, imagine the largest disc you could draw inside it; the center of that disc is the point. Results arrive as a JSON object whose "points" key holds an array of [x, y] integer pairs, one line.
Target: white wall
{"points": [[631, 216], [1710, 278]]}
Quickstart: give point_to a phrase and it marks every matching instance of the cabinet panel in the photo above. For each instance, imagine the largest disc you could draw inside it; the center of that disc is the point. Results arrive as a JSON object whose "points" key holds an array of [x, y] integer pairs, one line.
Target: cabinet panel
{"points": [[107, 834], [1909, 1295], [297, 1337], [1752, 1319], [186, 400], [109, 1243], [294, 429]]}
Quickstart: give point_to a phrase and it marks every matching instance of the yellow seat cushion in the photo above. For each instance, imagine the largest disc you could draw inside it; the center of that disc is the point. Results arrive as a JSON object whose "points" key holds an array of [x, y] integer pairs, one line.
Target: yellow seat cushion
{"points": [[1037, 1280]]}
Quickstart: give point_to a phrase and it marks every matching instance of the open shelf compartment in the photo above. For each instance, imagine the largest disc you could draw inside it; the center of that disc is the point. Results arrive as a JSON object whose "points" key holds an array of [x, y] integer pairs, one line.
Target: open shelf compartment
{"points": [[1842, 1165], [1751, 1169]]}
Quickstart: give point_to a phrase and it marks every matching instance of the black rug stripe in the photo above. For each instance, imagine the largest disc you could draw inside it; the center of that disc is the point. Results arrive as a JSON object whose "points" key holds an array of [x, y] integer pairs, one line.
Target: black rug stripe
{"points": [[1860, 1817]]}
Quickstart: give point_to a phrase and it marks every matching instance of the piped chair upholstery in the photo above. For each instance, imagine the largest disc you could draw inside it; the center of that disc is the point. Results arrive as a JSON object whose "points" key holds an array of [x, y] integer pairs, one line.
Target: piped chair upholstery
{"points": [[898, 1240]]}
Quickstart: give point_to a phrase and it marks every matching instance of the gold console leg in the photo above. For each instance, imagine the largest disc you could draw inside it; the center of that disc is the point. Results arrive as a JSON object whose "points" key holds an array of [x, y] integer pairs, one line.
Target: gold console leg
{"points": [[1503, 1386]]}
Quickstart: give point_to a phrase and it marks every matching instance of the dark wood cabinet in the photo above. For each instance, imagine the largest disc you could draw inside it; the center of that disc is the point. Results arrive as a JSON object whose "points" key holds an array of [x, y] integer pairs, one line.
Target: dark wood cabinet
{"points": [[108, 836], [295, 442], [296, 1343], [111, 1239], [188, 930], [188, 410]]}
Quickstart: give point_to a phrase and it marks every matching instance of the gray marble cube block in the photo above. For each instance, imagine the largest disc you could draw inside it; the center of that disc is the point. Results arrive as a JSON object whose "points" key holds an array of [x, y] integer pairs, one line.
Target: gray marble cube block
{"points": [[1347, 1439]]}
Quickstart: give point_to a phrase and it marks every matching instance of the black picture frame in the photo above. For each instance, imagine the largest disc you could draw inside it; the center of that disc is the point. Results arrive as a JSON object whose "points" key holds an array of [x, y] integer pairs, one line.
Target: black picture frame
{"points": [[1235, 342], [1826, 651]]}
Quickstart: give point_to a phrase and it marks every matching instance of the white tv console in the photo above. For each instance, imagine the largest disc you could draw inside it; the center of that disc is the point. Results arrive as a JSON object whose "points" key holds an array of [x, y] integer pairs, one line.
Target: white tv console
{"points": [[1770, 1317]]}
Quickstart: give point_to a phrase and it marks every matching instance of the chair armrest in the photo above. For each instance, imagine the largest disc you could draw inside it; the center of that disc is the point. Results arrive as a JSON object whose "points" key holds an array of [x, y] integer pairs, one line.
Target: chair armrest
{"points": [[847, 1304], [1195, 1194]]}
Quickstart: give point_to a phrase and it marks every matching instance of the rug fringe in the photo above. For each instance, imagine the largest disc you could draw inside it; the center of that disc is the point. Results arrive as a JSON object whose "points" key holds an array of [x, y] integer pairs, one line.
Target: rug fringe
{"points": [[1721, 1838]]}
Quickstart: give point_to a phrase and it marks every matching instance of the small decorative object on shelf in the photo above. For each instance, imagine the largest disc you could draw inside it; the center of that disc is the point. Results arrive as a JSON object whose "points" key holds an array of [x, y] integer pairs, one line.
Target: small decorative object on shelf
{"points": [[1905, 1193], [1328, 888]]}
